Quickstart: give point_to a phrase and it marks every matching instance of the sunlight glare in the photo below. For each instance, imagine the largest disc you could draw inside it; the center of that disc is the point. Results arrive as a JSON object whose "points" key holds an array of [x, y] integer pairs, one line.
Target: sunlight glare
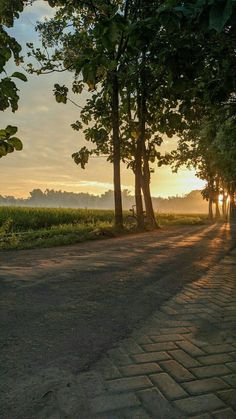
{"points": [[220, 198]]}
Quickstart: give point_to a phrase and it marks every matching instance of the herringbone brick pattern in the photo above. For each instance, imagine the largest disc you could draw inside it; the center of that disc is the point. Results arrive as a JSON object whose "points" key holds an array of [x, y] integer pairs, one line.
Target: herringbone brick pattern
{"points": [[180, 364]]}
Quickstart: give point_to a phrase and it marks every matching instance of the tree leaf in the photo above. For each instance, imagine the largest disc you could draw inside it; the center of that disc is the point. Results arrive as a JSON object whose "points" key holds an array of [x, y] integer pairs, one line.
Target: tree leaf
{"points": [[19, 76], [3, 151], [219, 16], [11, 130], [16, 143], [2, 134]]}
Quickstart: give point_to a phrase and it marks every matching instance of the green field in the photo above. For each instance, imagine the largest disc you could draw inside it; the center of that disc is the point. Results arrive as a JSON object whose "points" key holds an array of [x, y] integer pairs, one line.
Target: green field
{"points": [[22, 227]]}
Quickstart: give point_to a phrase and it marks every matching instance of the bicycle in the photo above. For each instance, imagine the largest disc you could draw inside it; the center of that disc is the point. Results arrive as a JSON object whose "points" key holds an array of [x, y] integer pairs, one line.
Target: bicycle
{"points": [[131, 220]]}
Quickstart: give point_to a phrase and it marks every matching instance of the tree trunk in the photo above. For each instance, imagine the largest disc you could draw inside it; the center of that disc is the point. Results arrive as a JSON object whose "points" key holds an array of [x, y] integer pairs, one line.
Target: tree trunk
{"points": [[217, 207], [217, 199], [224, 206], [232, 207], [146, 191], [138, 191], [116, 153], [138, 168], [146, 170], [210, 208]]}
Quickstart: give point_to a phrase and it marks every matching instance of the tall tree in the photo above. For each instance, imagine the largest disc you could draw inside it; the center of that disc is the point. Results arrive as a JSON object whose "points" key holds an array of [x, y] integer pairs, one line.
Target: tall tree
{"points": [[90, 39]]}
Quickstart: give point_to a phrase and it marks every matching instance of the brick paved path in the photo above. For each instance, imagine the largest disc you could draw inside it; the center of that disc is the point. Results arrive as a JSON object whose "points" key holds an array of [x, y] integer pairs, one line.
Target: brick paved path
{"points": [[180, 364]]}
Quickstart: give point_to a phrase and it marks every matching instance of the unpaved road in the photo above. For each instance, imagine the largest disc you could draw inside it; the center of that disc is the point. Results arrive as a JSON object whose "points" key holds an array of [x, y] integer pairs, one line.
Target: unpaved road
{"points": [[62, 307]]}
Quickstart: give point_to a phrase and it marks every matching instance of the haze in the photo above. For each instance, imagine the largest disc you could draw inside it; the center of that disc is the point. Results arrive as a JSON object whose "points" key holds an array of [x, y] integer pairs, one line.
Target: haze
{"points": [[49, 140]]}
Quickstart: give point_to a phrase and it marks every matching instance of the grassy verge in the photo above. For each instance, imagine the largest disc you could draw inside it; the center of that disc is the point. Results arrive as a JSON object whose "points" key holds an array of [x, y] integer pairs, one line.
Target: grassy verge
{"points": [[26, 228], [56, 236], [181, 219]]}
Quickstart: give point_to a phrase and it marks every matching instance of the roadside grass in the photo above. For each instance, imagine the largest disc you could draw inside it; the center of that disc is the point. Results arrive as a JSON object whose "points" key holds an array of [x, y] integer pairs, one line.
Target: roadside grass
{"points": [[181, 219], [56, 236], [26, 228]]}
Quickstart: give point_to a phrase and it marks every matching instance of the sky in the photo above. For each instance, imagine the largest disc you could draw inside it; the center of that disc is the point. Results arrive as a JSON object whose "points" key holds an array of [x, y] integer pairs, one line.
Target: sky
{"points": [[49, 140]]}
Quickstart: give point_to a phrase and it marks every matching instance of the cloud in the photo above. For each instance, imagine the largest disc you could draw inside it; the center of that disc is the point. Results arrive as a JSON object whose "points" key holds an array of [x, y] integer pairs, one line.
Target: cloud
{"points": [[103, 185], [49, 141]]}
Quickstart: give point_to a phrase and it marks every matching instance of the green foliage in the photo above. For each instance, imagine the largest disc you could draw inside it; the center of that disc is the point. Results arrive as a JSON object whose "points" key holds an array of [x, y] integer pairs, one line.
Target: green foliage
{"points": [[9, 47], [207, 14], [166, 64], [77, 126], [7, 239], [21, 219], [25, 228], [81, 157], [39, 218], [220, 13], [60, 93], [180, 219], [9, 143], [6, 227], [19, 76]]}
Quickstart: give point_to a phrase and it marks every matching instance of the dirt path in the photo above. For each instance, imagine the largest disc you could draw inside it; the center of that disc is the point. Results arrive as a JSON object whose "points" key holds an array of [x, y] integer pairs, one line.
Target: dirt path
{"points": [[62, 307]]}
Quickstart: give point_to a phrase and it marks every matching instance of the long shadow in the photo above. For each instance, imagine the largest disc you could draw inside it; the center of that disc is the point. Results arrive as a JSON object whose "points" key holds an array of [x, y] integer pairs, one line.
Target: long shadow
{"points": [[232, 228], [79, 309]]}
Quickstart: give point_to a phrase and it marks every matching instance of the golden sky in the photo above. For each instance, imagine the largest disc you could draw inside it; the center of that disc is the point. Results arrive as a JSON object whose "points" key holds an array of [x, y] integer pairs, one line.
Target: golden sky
{"points": [[49, 141]]}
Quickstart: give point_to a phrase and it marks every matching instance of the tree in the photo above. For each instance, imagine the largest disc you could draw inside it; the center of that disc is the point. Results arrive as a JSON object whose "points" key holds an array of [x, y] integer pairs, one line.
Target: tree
{"points": [[101, 41], [93, 48], [201, 63], [9, 47], [107, 45], [209, 145]]}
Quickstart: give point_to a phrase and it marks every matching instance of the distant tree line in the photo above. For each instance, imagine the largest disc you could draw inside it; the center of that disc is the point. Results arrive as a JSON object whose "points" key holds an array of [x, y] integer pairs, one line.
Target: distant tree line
{"points": [[190, 203]]}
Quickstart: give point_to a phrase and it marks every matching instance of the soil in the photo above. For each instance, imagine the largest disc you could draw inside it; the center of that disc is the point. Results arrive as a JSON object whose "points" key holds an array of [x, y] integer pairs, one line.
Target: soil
{"points": [[61, 308]]}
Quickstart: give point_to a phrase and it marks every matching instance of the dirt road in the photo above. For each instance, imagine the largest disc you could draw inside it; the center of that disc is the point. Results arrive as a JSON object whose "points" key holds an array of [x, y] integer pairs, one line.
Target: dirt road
{"points": [[62, 307]]}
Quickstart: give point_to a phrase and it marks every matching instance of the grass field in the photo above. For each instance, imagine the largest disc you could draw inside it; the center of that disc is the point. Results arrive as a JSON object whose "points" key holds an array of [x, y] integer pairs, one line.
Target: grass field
{"points": [[22, 228]]}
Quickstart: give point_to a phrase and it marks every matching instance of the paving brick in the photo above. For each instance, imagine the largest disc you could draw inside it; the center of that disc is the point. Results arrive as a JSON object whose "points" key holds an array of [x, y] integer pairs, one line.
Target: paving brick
{"points": [[224, 414], [131, 346], [210, 371], [215, 359], [140, 369], [176, 323], [126, 413], [107, 369], [231, 379], [168, 386], [162, 346], [112, 402], [176, 370], [216, 349], [130, 383], [206, 385], [192, 362], [183, 358], [157, 406], [191, 349], [168, 310], [197, 404], [232, 365], [174, 330], [119, 356], [167, 338], [151, 357], [229, 397], [188, 317], [142, 339]]}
